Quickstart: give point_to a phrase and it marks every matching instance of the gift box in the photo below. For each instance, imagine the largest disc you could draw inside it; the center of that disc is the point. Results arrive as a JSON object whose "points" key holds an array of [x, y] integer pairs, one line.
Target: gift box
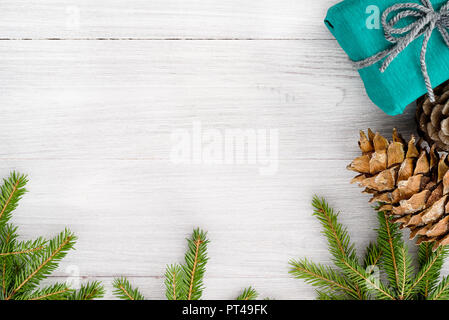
{"points": [[354, 25]]}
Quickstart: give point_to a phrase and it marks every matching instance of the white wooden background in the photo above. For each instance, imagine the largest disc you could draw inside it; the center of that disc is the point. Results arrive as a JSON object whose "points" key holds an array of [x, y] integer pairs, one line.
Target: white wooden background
{"points": [[90, 91]]}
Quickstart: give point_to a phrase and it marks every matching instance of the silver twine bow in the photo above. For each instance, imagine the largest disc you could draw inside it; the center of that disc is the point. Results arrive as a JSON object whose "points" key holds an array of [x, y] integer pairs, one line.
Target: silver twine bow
{"points": [[427, 19]]}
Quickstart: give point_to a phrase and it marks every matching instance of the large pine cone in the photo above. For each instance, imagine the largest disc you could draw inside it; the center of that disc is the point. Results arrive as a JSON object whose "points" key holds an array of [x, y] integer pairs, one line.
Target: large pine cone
{"points": [[433, 118], [410, 181]]}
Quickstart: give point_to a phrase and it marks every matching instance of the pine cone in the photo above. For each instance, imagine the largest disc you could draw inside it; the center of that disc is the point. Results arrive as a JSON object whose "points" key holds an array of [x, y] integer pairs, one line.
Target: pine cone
{"points": [[410, 181], [433, 118]]}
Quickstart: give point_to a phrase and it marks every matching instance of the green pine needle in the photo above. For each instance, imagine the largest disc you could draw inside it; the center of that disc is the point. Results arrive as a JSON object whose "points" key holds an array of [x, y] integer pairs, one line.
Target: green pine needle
{"points": [[389, 256], [337, 236], [248, 294], [11, 192], [38, 269], [396, 259], [324, 295], [370, 283], [24, 264], [427, 271], [426, 254], [372, 256], [174, 284], [441, 292], [182, 282], [124, 290], [89, 291], [322, 277], [195, 264], [57, 291]]}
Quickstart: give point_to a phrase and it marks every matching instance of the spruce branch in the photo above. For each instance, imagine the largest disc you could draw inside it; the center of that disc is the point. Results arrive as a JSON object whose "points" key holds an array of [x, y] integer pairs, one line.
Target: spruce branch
{"points": [[441, 291], [371, 284], [338, 238], [89, 291], [339, 242], [248, 294], [57, 291], [195, 264], [10, 248], [23, 264], [322, 277], [124, 290], [182, 282], [426, 254], [396, 260], [325, 295], [372, 256], [174, 284], [428, 270], [35, 271], [11, 192]]}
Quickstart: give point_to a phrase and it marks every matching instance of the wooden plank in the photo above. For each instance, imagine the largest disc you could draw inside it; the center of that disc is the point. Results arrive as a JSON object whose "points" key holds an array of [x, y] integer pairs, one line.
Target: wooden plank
{"points": [[135, 215], [162, 19], [91, 121], [123, 100], [216, 288], [132, 217]]}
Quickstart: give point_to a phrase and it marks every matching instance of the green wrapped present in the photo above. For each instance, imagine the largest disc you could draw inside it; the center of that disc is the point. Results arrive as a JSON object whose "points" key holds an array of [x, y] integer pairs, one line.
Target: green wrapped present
{"points": [[400, 48]]}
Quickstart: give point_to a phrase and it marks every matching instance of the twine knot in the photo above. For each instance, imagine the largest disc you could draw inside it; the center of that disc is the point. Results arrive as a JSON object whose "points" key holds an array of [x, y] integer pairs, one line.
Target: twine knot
{"points": [[426, 20]]}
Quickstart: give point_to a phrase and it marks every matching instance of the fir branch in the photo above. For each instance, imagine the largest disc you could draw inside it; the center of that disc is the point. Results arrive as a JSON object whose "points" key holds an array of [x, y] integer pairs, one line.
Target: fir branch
{"points": [[248, 294], [441, 291], [8, 237], [366, 281], [11, 248], [372, 256], [21, 252], [338, 238], [322, 277], [406, 271], [390, 239], [425, 254], [195, 264], [57, 291], [429, 269], [324, 295], [35, 271], [90, 291], [174, 284], [4, 279], [11, 192], [124, 290]]}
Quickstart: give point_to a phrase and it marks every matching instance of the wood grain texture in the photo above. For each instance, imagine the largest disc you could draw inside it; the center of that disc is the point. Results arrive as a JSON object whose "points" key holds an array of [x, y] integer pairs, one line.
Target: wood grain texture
{"points": [[121, 100], [90, 121], [162, 19]]}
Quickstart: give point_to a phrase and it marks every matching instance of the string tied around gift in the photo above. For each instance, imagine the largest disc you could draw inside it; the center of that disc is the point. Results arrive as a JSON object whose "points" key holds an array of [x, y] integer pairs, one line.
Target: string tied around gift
{"points": [[426, 21]]}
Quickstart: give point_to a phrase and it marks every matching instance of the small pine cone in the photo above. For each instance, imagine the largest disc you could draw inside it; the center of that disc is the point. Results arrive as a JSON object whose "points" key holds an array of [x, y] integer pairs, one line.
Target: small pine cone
{"points": [[433, 118], [410, 182]]}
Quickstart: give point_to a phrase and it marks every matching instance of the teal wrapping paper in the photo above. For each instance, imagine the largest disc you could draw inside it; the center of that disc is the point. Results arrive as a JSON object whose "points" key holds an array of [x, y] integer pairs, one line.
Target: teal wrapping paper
{"points": [[402, 83]]}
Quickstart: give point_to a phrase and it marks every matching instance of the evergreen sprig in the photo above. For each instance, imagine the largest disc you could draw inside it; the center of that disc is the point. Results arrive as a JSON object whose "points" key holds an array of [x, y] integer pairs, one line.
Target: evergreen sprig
{"points": [[174, 282], [124, 290], [195, 265], [182, 281], [24, 264], [248, 294], [389, 256]]}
